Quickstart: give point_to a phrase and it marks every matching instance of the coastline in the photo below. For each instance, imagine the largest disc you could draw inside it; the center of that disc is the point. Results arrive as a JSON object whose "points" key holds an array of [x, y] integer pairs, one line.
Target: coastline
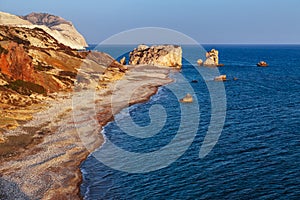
{"points": [[50, 168]]}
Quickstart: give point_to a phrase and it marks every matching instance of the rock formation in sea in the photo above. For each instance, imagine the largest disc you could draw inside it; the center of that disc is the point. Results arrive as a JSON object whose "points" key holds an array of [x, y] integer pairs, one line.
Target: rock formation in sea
{"points": [[187, 99], [161, 55], [62, 30], [262, 64], [221, 78], [212, 58]]}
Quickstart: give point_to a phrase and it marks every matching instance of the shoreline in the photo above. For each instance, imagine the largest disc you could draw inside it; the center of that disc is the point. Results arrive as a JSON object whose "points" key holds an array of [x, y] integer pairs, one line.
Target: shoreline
{"points": [[46, 169]]}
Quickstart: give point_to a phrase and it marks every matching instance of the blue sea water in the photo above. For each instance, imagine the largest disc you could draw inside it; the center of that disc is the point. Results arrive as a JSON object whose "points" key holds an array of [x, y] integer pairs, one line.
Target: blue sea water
{"points": [[257, 155]]}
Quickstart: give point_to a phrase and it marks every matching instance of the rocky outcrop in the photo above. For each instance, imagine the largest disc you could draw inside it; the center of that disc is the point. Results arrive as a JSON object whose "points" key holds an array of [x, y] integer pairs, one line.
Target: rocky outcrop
{"points": [[187, 99], [212, 58], [123, 61], [160, 55], [32, 55], [60, 29], [220, 78], [63, 30], [15, 62], [262, 64]]}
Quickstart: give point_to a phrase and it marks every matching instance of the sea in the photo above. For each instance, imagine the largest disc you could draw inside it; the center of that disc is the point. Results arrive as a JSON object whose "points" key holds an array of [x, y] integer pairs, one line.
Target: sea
{"points": [[254, 155]]}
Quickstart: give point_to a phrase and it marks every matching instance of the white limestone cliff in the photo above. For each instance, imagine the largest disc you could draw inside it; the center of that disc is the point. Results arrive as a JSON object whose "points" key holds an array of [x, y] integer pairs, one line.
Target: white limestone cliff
{"points": [[63, 31]]}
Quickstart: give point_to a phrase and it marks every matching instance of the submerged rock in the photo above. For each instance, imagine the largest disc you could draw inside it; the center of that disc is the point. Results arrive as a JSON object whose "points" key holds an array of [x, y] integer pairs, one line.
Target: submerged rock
{"points": [[187, 99], [160, 55]]}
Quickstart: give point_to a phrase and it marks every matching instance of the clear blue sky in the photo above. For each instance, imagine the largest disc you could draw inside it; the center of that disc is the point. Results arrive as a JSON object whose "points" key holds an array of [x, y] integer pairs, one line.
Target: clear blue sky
{"points": [[209, 21]]}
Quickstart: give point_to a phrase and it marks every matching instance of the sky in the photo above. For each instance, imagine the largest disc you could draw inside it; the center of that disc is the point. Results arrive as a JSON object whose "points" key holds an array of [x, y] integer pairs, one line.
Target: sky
{"points": [[207, 22]]}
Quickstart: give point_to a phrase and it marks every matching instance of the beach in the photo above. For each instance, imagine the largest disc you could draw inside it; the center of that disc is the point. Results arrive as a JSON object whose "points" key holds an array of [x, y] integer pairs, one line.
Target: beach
{"points": [[48, 166]]}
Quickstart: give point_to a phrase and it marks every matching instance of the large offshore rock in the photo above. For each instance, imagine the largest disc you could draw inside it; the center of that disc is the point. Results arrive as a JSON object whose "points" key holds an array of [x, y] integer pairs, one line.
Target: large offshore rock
{"points": [[212, 58], [160, 55], [63, 31]]}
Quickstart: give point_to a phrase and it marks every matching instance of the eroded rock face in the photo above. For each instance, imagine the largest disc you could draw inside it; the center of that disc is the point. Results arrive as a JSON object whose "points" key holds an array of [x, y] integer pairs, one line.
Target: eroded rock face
{"points": [[32, 55], [212, 58], [160, 55], [15, 62], [60, 29]]}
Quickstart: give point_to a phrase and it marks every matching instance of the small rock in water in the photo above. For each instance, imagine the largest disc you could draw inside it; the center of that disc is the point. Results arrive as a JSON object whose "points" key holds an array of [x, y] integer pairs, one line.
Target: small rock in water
{"points": [[220, 78], [262, 64], [187, 99], [200, 62]]}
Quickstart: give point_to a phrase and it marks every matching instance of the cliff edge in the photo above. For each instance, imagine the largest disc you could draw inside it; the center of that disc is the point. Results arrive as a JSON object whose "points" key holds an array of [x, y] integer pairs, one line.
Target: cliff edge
{"points": [[62, 30]]}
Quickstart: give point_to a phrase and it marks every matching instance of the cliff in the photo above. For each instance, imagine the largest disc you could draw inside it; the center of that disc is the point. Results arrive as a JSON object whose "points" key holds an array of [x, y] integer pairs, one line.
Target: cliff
{"points": [[161, 55], [62, 30], [34, 66]]}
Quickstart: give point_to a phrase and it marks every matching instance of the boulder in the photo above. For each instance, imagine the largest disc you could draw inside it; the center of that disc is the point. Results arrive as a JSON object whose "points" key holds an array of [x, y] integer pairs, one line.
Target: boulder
{"points": [[160, 55], [187, 99], [200, 62]]}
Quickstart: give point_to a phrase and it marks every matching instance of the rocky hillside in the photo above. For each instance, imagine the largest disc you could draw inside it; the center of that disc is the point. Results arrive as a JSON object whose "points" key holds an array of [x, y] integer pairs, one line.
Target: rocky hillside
{"points": [[62, 30], [34, 65]]}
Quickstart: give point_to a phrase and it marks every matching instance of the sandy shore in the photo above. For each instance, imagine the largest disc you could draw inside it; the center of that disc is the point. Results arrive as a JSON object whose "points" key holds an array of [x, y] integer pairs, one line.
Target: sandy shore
{"points": [[48, 166]]}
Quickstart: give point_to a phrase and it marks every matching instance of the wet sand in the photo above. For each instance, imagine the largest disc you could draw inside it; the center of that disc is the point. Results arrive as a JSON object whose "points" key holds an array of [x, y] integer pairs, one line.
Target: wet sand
{"points": [[46, 164]]}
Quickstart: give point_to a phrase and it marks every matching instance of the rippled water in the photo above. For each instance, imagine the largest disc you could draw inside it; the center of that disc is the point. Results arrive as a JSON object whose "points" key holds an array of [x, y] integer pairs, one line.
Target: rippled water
{"points": [[257, 155]]}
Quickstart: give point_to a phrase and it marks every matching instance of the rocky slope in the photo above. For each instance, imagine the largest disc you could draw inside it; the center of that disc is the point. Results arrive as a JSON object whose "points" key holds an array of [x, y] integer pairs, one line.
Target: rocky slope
{"points": [[63, 31], [161, 55], [34, 65]]}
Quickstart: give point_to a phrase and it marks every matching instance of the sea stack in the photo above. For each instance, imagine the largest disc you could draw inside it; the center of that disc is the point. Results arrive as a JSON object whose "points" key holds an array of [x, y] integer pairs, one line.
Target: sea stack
{"points": [[212, 58], [159, 55]]}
